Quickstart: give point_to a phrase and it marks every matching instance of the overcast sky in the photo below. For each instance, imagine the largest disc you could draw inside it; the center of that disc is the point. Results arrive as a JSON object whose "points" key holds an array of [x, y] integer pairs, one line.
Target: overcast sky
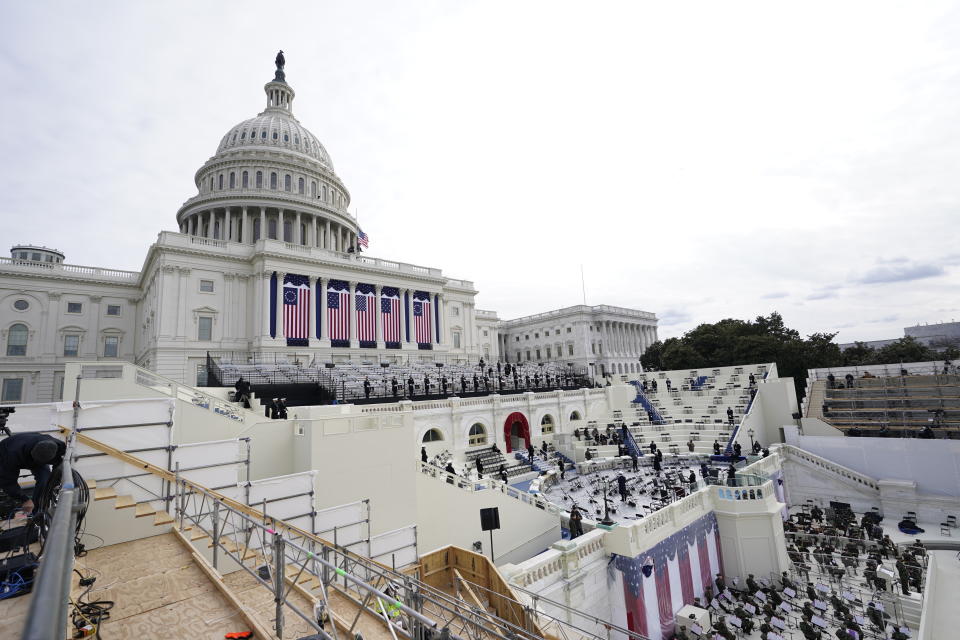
{"points": [[700, 160]]}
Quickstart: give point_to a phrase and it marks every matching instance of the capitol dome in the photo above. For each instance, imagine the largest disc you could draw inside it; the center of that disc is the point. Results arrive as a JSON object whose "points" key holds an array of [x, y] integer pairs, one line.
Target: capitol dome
{"points": [[277, 128], [271, 179]]}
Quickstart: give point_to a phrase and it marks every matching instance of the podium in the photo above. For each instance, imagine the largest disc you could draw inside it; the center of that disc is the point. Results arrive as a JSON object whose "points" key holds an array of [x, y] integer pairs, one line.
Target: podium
{"points": [[690, 615]]}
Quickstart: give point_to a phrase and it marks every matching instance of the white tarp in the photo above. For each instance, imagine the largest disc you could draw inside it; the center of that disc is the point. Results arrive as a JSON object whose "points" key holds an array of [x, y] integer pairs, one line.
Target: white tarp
{"points": [[396, 548]]}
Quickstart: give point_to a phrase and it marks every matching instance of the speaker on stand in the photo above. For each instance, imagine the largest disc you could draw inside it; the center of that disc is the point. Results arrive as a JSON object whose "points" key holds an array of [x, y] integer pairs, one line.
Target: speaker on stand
{"points": [[490, 520]]}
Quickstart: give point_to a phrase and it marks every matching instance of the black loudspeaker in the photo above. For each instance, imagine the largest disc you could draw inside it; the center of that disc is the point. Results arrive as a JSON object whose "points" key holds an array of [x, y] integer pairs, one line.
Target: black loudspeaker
{"points": [[490, 519]]}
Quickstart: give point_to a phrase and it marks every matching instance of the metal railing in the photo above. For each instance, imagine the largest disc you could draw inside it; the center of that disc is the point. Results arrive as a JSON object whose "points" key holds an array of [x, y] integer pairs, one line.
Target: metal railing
{"points": [[47, 617]]}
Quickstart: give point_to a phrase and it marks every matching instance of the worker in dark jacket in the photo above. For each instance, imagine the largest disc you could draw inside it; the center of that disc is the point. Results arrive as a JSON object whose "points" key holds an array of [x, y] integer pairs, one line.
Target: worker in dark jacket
{"points": [[35, 452]]}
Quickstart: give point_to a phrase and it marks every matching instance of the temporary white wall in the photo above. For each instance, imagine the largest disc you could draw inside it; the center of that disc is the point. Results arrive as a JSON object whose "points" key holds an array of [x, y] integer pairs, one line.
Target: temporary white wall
{"points": [[934, 465], [447, 515]]}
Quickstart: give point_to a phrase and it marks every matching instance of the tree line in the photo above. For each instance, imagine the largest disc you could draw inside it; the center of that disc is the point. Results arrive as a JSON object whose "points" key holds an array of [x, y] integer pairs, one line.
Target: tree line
{"points": [[732, 342]]}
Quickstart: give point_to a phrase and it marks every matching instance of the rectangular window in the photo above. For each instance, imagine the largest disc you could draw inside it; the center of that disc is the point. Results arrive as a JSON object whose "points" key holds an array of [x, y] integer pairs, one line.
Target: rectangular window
{"points": [[485, 333], [205, 329], [74, 307], [569, 329], [206, 286], [456, 339], [518, 338], [12, 390], [518, 356], [455, 311], [528, 356], [111, 346], [538, 354], [71, 345], [113, 310], [548, 353], [569, 349]]}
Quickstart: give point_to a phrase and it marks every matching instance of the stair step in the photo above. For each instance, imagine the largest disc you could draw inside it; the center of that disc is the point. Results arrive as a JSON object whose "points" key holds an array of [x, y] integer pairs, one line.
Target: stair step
{"points": [[161, 518], [144, 509], [197, 535], [104, 493], [123, 502], [91, 484]]}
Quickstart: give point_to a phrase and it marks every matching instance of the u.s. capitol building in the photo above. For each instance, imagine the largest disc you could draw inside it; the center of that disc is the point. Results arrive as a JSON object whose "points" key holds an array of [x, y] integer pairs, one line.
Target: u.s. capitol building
{"points": [[266, 259]]}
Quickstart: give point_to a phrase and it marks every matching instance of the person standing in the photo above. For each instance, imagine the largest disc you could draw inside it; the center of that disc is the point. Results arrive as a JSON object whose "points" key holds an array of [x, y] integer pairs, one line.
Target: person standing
{"points": [[423, 455], [622, 487], [576, 522], [479, 468], [366, 388]]}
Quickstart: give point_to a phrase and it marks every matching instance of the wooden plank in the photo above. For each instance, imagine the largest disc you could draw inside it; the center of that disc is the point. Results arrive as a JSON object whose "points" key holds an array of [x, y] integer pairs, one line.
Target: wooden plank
{"points": [[162, 518], [259, 630], [123, 502], [105, 493], [144, 509]]}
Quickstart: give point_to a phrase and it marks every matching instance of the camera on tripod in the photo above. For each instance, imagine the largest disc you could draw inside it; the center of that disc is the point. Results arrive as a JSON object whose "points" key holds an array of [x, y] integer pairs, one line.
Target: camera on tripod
{"points": [[4, 414]]}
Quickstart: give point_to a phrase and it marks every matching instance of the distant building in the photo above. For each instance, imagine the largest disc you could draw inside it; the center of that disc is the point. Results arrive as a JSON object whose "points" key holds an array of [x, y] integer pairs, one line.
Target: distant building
{"points": [[939, 335]]}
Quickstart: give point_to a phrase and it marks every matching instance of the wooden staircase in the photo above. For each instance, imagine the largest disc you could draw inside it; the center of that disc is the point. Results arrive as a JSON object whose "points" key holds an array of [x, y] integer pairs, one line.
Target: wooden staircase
{"points": [[122, 501]]}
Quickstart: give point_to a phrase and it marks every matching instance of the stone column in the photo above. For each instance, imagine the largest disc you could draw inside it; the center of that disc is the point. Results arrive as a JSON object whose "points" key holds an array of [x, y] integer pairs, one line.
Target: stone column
{"points": [[209, 231], [263, 223], [297, 239], [281, 236], [227, 235], [262, 300], [403, 316], [324, 323], [353, 315], [280, 275], [311, 312], [244, 231], [438, 317], [377, 290], [326, 238]]}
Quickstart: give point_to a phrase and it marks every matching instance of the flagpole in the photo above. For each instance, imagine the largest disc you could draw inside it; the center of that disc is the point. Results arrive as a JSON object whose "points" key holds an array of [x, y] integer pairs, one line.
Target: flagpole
{"points": [[583, 285]]}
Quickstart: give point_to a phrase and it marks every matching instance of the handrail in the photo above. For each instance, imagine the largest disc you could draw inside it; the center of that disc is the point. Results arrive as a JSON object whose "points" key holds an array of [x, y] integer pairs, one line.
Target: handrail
{"points": [[276, 526], [52, 589]]}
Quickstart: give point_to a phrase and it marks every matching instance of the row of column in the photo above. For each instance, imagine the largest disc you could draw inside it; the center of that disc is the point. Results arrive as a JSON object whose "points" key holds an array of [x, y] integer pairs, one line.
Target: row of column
{"points": [[626, 339], [238, 226], [406, 311]]}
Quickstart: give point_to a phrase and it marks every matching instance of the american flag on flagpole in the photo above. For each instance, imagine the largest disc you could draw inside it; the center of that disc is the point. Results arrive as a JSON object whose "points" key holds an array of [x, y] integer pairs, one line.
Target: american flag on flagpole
{"points": [[296, 307], [366, 303], [390, 314], [421, 317], [362, 238], [338, 310]]}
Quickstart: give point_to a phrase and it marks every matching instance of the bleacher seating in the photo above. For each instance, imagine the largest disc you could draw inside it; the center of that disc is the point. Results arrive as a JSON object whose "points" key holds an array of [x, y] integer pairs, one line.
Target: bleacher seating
{"points": [[346, 379], [901, 405]]}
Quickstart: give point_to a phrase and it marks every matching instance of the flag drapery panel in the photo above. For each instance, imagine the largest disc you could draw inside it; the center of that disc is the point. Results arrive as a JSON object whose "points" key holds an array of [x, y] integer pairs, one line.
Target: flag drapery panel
{"points": [[296, 310], [338, 313]]}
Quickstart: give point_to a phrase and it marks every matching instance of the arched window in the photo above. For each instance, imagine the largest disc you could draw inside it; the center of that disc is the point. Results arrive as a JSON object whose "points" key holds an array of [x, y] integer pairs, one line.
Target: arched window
{"points": [[324, 193], [433, 435], [303, 233], [313, 188], [253, 134], [216, 230], [234, 139], [220, 182], [296, 139], [259, 179], [244, 179], [286, 137], [233, 180], [546, 424], [575, 415], [272, 229], [287, 231], [274, 135], [478, 435], [256, 229], [211, 183], [17, 340], [273, 179], [300, 185], [263, 134], [243, 135], [287, 182]]}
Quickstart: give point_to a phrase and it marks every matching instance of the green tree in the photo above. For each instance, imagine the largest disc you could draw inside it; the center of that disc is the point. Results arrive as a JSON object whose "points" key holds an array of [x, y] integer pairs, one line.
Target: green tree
{"points": [[905, 350]]}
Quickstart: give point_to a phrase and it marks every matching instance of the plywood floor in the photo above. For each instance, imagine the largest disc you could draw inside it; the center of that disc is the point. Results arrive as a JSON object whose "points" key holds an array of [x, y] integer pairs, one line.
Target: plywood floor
{"points": [[158, 592]]}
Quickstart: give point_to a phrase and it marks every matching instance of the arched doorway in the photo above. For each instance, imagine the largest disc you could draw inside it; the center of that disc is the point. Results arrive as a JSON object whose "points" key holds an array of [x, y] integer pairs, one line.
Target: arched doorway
{"points": [[516, 432]]}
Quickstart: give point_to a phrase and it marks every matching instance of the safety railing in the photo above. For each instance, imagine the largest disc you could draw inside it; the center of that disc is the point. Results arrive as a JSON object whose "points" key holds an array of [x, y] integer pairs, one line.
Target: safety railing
{"points": [[243, 533], [488, 483], [47, 616]]}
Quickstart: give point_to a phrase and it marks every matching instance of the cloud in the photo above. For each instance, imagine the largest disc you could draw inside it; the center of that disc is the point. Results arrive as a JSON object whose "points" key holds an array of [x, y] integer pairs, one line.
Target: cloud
{"points": [[901, 272], [775, 294], [822, 295], [670, 317], [884, 319]]}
